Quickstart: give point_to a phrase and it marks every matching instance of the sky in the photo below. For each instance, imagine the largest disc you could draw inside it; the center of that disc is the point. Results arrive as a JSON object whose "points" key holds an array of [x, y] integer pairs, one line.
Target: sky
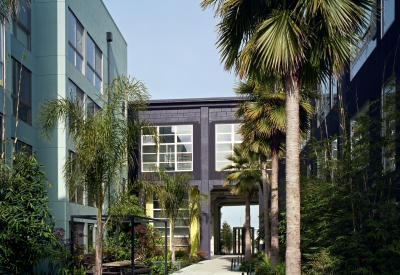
{"points": [[171, 49]]}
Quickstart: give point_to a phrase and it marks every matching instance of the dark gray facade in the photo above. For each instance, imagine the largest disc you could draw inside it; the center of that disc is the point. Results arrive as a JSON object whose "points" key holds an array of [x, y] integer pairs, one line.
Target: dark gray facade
{"points": [[204, 115]]}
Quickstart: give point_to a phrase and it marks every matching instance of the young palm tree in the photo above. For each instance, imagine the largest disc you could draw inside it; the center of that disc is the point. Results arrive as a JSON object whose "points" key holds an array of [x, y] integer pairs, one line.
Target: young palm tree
{"points": [[174, 194], [300, 41], [102, 141], [263, 129], [244, 174]]}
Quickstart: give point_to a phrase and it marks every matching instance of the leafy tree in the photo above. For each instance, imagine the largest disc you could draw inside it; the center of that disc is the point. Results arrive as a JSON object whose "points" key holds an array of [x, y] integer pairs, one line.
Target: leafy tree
{"points": [[103, 141], [26, 235], [244, 175], [263, 129], [173, 193], [226, 237], [299, 41], [350, 221]]}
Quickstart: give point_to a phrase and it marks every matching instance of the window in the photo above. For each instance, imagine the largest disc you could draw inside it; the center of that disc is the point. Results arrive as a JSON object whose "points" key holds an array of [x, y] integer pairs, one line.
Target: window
{"points": [[387, 14], [175, 152], [359, 135], [22, 147], [22, 89], [75, 41], [365, 47], [389, 126], [1, 53], [181, 229], [22, 24], [76, 193], [328, 90], [94, 63], [225, 139], [91, 107]]}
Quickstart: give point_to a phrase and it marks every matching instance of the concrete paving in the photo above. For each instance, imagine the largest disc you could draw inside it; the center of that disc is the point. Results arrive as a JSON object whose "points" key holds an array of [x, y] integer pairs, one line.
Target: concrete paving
{"points": [[218, 265]]}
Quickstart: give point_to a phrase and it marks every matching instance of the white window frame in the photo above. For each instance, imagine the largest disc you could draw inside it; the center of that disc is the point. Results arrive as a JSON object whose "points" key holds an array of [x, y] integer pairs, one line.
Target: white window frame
{"points": [[387, 8], [163, 158], [235, 138]]}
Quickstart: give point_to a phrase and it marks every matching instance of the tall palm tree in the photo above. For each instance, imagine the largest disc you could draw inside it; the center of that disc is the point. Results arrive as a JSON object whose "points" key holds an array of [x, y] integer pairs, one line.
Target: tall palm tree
{"points": [[244, 174], [300, 41], [177, 199], [263, 129], [102, 141]]}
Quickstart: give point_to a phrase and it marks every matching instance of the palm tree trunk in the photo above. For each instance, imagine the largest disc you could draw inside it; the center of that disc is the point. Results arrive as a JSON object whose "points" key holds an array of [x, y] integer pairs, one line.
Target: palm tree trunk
{"points": [[274, 202], [99, 242], [247, 249], [267, 239], [171, 239], [293, 254]]}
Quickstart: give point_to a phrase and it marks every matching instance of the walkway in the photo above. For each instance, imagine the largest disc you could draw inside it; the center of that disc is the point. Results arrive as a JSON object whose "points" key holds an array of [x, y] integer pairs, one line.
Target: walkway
{"points": [[218, 265]]}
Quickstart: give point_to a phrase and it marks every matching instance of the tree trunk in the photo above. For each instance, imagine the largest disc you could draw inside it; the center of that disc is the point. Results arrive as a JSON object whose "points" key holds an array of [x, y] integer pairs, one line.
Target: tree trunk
{"points": [[293, 254], [171, 239], [247, 248], [266, 188], [99, 242], [274, 202]]}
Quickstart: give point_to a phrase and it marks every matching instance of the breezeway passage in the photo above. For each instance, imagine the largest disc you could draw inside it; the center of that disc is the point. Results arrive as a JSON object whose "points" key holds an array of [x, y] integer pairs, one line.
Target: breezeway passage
{"points": [[218, 265]]}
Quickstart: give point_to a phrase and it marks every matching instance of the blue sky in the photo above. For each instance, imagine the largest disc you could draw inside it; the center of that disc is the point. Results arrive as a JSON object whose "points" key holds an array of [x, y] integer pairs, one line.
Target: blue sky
{"points": [[171, 48]]}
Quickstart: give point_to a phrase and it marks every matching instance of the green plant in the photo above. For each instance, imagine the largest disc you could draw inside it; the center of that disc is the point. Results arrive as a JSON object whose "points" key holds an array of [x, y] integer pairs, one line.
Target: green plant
{"points": [[26, 235], [98, 166], [147, 243], [350, 221], [159, 268], [181, 254]]}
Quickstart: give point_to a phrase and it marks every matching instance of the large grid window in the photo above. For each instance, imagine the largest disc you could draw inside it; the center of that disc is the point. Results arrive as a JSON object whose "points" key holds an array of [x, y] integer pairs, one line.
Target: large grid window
{"points": [[22, 90], [387, 14], [22, 24], [388, 113], [225, 140], [175, 152], [181, 229], [75, 41], [94, 62]]}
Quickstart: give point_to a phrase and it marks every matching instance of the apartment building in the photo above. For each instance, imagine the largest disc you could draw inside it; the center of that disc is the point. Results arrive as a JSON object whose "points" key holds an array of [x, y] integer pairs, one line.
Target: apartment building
{"points": [[54, 49]]}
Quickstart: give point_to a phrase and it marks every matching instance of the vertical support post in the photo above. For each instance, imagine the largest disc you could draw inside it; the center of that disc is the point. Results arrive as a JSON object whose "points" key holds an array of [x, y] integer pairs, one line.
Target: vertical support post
{"points": [[71, 233], [165, 250], [132, 245]]}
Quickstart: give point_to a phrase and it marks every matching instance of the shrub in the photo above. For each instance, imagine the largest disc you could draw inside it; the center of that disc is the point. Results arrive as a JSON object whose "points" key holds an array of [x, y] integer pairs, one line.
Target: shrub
{"points": [[26, 235]]}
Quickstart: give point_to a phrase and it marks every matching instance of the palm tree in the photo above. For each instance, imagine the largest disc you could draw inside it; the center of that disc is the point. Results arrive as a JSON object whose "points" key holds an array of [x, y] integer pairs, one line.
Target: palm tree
{"points": [[244, 174], [176, 197], [102, 141], [263, 129], [299, 41]]}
